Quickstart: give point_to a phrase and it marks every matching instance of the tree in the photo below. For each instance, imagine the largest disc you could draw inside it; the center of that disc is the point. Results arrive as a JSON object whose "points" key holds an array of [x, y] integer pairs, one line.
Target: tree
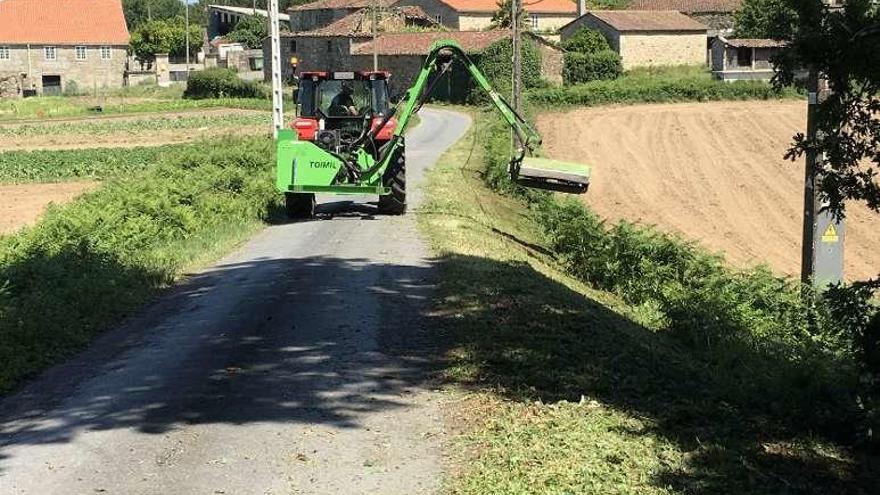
{"points": [[164, 36], [773, 19], [842, 45], [139, 11], [250, 31], [502, 18]]}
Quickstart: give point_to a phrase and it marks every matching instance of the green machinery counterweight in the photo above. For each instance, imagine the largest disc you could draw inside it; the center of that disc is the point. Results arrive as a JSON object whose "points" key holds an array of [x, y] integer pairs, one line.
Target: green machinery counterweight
{"points": [[347, 141]]}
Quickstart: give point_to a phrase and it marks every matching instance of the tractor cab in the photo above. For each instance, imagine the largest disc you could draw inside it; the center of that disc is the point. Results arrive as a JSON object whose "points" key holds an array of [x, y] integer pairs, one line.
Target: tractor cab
{"points": [[337, 107]]}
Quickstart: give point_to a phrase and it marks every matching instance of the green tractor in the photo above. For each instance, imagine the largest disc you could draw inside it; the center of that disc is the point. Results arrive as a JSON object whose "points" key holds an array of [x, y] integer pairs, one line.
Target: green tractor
{"points": [[347, 139]]}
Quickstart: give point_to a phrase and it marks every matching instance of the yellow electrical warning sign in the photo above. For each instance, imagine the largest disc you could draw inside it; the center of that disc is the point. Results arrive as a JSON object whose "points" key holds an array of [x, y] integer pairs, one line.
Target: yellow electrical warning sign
{"points": [[830, 234]]}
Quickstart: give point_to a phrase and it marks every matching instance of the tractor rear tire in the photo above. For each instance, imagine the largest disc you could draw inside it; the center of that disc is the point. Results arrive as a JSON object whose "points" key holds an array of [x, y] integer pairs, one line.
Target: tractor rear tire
{"points": [[395, 179], [299, 205]]}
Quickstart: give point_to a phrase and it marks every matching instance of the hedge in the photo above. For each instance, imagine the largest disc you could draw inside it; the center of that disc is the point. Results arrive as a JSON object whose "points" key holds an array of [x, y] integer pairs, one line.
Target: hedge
{"points": [[646, 90], [586, 41], [584, 67], [220, 83]]}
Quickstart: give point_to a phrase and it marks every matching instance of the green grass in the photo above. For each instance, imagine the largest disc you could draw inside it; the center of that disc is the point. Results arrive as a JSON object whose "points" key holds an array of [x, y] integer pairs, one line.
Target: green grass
{"points": [[139, 125], [89, 263], [48, 107], [87, 164], [657, 85], [572, 390]]}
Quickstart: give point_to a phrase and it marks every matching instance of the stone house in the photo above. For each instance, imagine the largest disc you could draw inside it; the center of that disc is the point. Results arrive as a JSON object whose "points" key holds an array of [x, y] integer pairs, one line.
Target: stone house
{"points": [[474, 15], [717, 15], [403, 54], [63, 44], [324, 47], [737, 59], [322, 13], [647, 38], [223, 18]]}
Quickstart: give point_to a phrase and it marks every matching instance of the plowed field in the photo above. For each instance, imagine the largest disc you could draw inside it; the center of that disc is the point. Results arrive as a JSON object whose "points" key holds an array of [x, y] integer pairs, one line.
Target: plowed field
{"points": [[712, 172]]}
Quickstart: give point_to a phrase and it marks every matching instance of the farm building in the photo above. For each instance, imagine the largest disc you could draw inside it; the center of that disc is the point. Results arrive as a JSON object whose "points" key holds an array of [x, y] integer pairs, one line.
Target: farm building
{"points": [[717, 15], [743, 59], [647, 38], [330, 45], [223, 18], [473, 15], [55, 45], [322, 13], [403, 54]]}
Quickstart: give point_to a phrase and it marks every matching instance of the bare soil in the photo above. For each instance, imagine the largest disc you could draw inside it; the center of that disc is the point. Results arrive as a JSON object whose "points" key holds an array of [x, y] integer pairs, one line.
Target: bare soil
{"points": [[22, 204], [712, 172]]}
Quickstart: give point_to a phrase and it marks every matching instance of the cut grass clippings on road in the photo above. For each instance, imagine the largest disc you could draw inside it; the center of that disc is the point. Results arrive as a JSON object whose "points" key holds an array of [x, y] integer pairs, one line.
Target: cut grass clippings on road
{"points": [[571, 390], [89, 263]]}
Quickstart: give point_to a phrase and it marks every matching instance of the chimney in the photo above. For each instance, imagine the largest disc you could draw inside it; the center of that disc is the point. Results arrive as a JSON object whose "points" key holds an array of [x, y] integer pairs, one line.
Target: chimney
{"points": [[582, 7]]}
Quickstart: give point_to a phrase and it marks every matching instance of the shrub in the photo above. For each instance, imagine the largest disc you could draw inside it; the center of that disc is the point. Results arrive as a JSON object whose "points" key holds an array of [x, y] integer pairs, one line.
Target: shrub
{"points": [[586, 41], [220, 83], [90, 262], [584, 67]]}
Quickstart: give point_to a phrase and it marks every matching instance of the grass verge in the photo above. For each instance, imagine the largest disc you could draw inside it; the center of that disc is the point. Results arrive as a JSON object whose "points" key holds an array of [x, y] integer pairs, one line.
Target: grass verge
{"points": [[89, 263], [576, 390], [139, 125]]}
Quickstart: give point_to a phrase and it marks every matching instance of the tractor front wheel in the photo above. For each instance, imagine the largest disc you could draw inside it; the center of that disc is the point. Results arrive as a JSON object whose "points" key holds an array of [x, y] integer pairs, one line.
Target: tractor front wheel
{"points": [[394, 179], [299, 205]]}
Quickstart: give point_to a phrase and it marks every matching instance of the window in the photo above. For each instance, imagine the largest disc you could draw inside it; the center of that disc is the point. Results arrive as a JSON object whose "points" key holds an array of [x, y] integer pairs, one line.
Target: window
{"points": [[329, 46], [49, 52], [744, 57], [80, 52], [106, 53], [534, 19], [4, 53], [292, 46]]}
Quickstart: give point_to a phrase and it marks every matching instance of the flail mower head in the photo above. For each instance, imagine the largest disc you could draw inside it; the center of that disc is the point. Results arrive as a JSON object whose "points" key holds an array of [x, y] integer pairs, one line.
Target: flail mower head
{"points": [[553, 175]]}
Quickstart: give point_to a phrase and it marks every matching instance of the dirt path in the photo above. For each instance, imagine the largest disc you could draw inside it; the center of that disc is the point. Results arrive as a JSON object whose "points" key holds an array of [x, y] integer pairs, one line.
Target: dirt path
{"points": [[22, 204], [297, 365], [712, 172]]}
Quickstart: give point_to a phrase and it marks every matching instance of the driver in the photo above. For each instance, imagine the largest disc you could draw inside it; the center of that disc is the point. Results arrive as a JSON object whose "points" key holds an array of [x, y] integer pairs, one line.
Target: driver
{"points": [[344, 100]]}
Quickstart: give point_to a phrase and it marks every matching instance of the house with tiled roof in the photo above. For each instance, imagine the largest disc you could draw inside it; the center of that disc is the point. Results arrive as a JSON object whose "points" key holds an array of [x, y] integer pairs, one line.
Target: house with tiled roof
{"points": [[57, 45], [322, 13], [647, 38], [474, 15], [330, 46], [717, 15]]}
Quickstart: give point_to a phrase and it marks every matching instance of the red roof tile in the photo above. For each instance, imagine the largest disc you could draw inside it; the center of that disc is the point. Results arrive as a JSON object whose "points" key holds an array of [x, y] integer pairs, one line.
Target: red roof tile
{"points": [[531, 6], [647, 20], [685, 6], [63, 22], [420, 43]]}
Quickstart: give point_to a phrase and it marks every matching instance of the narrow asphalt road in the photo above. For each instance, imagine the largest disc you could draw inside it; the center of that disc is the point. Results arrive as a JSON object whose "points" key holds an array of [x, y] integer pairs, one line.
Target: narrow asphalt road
{"points": [[298, 364]]}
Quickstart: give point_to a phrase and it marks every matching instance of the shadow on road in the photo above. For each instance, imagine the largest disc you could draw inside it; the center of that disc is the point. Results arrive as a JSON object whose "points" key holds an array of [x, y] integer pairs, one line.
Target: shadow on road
{"points": [[325, 340]]}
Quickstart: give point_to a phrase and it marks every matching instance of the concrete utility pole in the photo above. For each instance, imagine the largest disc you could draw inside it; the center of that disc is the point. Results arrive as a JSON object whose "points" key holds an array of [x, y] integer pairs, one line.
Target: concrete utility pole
{"points": [[517, 56], [277, 90], [823, 234], [186, 8], [375, 10]]}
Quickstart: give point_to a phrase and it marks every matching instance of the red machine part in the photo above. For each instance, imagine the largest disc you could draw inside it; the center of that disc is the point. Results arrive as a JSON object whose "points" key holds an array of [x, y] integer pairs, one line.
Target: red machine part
{"points": [[307, 128]]}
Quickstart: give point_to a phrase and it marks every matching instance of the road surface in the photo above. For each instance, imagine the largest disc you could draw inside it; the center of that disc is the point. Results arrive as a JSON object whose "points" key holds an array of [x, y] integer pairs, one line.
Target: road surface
{"points": [[299, 364]]}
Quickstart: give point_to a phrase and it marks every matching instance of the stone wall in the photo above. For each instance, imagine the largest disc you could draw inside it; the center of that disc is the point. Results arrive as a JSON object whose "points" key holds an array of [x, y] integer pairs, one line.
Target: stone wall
{"points": [[88, 74], [551, 64], [659, 49], [437, 10], [308, 20], [10, 85]]}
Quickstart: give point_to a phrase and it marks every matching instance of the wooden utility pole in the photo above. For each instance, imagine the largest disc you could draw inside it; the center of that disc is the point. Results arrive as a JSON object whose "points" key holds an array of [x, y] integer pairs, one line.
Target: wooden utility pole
{"points": [[823, 234]]}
